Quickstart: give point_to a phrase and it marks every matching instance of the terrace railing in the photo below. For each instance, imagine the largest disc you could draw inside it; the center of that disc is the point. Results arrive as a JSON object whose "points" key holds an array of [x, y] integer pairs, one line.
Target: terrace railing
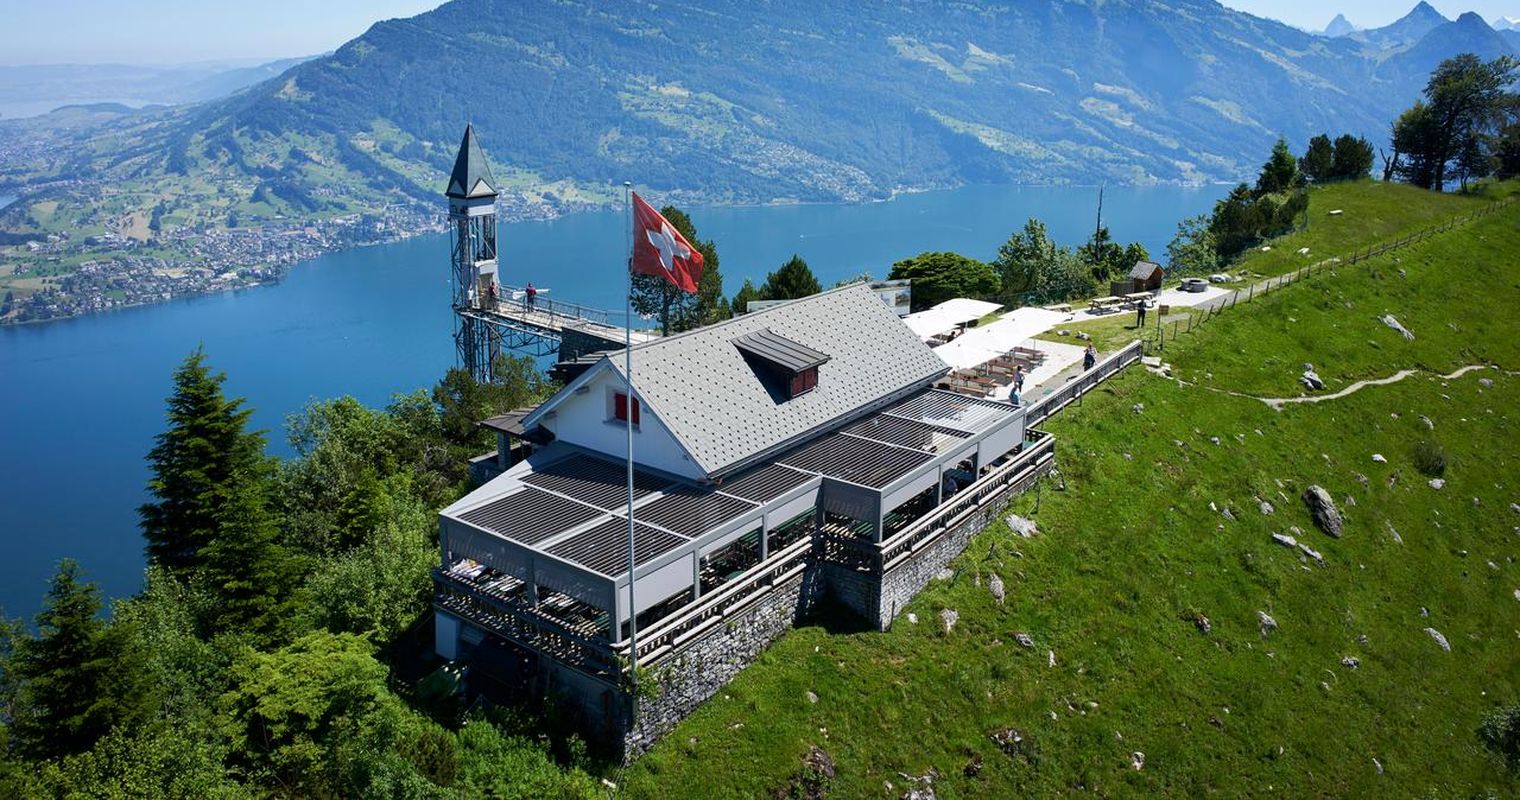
{"points": [[1038, 452], [555, 314], [712, 609], [1047, 406], [513, 619]]}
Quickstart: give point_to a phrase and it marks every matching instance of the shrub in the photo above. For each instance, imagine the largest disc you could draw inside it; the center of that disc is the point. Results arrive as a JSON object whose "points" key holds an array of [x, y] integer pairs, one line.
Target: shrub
{"points": [[1430, 458], [1500, 732]]}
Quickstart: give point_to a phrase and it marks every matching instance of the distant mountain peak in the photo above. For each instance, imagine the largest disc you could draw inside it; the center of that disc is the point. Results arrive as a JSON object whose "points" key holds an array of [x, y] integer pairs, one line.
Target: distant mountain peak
{"points": [[1340, 26], [1424, 12], [1506, 24]]}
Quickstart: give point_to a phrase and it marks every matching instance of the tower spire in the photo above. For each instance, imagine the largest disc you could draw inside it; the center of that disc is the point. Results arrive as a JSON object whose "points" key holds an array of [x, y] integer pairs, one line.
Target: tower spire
{"points": [[472, 216]]}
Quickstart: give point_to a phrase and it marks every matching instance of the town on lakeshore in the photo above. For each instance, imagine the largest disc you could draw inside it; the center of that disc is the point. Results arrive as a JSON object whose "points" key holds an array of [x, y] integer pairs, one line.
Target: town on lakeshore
{"points": [[1222, 498]]}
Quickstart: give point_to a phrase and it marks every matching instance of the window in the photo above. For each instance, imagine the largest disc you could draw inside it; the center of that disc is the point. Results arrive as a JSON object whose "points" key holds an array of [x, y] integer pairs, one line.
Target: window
{"points": [[804, 381], [620, 408]]}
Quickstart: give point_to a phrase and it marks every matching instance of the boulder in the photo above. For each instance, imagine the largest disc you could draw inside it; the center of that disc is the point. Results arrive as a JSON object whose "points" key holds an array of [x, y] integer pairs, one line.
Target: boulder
{"points": [[1311, 552], [1378, 458], [1266, 622], [1437, 483], [1022, 526], [1486, 383], [1284, 540], [1024, 639], [812, 697], [1393, 322], [1429, 426], [995, 585], [912, 618], [1440, 640], [1323, 509], [1137, 760], [1311, 380], [948, 617], [1351, 662], [1266, 508]]}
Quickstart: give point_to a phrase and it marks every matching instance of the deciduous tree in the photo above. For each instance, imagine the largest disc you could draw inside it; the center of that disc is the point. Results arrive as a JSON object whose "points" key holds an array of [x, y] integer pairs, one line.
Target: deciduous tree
{"points": [[938, 277]]}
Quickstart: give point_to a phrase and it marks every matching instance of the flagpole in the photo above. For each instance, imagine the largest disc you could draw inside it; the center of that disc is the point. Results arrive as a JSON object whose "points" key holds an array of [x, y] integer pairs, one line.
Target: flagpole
{"points": [[633, 624]]}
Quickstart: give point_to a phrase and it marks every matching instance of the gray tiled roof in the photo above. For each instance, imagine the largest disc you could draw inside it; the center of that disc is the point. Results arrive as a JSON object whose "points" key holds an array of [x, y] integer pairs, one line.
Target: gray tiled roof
{"points": [[1144, 269], [699, 384], [471, 176]]}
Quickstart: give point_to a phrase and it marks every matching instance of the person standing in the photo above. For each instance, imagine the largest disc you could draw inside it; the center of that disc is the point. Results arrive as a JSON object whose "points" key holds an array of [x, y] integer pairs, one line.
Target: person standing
{"points": [[1089, 358], [530, 295], [1140, 311]]}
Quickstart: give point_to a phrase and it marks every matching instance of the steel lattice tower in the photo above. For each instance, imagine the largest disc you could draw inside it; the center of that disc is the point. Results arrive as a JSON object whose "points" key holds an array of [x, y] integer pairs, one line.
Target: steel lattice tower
{"points": [[472, 230]]}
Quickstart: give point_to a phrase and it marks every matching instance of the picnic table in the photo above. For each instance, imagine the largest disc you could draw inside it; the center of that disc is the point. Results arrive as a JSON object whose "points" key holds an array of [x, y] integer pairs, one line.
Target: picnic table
{"points": [[1060, 308], [1138, 297], [1105, 303]]}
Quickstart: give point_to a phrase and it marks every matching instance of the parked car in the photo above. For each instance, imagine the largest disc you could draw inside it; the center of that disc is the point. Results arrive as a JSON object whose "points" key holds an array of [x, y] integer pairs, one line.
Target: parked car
{"points": [[1194, 285]]}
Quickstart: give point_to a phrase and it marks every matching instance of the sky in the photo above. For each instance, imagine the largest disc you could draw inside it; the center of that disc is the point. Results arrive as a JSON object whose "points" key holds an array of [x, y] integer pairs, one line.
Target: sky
{"points": [[1316, 14], [180, 31]]}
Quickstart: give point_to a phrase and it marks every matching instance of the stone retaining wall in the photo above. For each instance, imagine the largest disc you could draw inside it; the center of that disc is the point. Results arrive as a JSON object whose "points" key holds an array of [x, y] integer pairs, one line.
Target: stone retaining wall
{"points": [[879, 599]]}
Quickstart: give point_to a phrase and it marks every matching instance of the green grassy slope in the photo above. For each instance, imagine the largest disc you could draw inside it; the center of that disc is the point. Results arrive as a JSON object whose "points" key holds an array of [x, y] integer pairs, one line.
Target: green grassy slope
{"points": [[1131, 549]]}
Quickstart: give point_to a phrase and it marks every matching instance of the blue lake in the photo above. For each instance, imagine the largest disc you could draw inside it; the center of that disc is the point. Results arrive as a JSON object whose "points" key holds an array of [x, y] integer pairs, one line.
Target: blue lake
{"points": [[81, 399]]}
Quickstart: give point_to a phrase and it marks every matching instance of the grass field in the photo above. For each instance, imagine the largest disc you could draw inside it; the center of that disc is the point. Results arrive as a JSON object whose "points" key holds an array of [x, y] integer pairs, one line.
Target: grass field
{"points": [[1136, 548]]}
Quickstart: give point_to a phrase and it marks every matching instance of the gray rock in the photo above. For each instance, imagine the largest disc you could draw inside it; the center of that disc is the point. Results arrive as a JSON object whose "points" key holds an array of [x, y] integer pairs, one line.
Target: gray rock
{"points": [[1227, 514], [1440, 640], [1429, 426], [1376, 763], [1323, 509], [1362, 479], [812, 697], [1311, 379], [1083, 336], [912, 618], [1214, 439], [1137, 760], [944, 574], [1311, 552], [948, 617], [1266, 508], [1203, 624], [1284, 540], [1393, 322], [1393, 532], [1024, 639], [1486, 383], [995, 585], [1266, 622], [1437, 483], [1378, 457], [1351, 662], [1138, 408], [1515, 507], [1051, 654], [1022, 526]]}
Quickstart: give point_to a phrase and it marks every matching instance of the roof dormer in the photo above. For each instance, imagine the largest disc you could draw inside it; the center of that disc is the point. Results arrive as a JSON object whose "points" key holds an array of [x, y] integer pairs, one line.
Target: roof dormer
{"points": [[788, 367]]}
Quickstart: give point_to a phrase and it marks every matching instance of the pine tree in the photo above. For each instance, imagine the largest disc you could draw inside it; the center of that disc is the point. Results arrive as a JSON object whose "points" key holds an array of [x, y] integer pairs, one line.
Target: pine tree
{"points": [[793, 280], [746, 293], [1318, 163], [193, 463], [247, 568], [78, 678], [1280, 173]]}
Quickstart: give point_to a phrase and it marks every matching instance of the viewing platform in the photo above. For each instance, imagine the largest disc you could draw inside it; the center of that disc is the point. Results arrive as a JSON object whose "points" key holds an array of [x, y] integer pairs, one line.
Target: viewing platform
{"points": [[543, 326]]}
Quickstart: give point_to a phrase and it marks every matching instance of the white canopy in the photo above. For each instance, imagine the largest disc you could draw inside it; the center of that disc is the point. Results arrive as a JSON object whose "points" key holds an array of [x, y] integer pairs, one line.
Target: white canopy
{"points": [[944, 317], [982, 344]]}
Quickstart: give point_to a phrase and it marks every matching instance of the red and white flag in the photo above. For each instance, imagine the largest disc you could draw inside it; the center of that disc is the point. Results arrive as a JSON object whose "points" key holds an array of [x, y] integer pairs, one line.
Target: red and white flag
{"points": [[660, 249]]}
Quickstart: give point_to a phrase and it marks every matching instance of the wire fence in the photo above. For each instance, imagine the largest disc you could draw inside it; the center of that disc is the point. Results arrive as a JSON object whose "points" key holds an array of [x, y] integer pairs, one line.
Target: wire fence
{"points": [[1171, 327]]}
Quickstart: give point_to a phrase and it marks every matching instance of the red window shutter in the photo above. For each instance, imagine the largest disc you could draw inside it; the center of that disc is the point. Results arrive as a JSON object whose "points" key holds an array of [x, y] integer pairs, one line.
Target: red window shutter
{"points": [[620, 408]]}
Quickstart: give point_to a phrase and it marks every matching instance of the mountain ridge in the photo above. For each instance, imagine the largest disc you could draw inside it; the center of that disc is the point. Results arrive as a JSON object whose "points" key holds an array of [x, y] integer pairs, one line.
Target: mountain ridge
{"points": [[713, 102]]}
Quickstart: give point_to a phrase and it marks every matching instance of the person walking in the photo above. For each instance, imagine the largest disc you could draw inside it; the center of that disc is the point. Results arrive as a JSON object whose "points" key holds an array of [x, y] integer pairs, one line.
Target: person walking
{"points": [[1140, 311], [1089, 358], [1018, 379], [530, 296]]}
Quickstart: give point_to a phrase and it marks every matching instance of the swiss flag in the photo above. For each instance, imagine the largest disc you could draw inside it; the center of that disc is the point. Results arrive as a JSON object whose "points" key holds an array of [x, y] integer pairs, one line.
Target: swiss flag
{"points": [[660, 249]]}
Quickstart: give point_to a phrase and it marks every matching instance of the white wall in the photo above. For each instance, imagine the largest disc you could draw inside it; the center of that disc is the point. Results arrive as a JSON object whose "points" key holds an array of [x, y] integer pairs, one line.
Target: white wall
{"points": [[583, 420]]}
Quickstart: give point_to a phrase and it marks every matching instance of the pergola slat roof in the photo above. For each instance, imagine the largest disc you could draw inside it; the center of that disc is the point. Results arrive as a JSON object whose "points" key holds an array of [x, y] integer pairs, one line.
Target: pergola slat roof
{"points": [[604, 547], [572, 507], [530, 516]]}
